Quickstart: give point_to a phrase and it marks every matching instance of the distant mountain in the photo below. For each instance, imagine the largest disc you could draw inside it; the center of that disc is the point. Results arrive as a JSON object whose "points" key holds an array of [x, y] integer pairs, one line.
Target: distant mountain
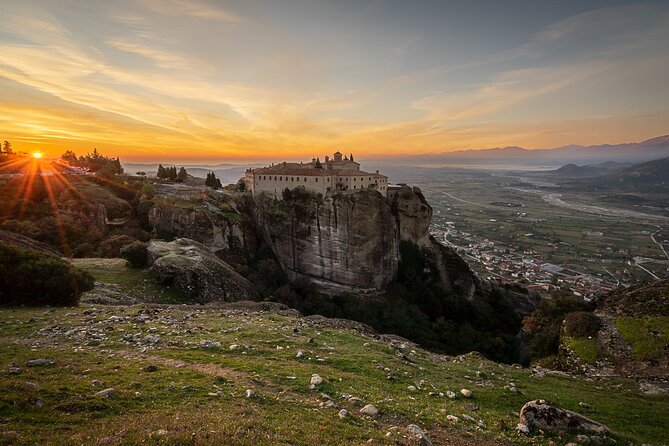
{"points": [[656, 172], [574, 171], [629, 152]]}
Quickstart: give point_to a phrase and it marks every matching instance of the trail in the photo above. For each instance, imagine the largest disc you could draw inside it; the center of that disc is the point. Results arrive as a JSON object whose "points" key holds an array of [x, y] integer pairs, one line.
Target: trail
{"points": [[652, 237]]}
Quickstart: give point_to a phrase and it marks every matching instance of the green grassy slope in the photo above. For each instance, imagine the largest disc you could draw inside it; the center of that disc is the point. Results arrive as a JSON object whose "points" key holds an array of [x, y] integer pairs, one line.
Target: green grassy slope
{"points": [[196, 394]]}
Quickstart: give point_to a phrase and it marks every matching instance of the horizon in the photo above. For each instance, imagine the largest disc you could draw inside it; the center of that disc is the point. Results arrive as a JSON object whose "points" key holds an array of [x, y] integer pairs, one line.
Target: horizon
{"points": [[248, 82]]}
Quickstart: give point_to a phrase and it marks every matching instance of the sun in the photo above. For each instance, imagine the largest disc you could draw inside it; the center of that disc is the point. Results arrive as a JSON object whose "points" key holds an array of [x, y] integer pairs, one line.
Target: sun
{"points": [[37, 155]]}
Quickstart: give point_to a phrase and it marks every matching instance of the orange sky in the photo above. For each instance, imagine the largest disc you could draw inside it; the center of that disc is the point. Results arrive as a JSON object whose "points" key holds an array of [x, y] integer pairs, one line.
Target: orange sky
{"points": [[232, 82]]}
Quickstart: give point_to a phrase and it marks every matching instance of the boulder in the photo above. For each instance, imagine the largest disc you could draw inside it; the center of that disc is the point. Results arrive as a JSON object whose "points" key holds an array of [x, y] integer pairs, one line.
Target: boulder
{"points": [[540, 414], [197, 273]]}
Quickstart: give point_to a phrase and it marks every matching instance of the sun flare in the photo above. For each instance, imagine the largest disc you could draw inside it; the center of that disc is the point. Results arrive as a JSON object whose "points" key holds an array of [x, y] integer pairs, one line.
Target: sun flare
{"points": [[37, 155]]}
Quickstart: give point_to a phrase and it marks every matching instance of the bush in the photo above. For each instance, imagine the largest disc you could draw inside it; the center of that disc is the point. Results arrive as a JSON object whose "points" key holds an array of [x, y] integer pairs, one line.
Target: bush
{"points": [[111, 247], [136, 254], [581, 324], [32, 278]]}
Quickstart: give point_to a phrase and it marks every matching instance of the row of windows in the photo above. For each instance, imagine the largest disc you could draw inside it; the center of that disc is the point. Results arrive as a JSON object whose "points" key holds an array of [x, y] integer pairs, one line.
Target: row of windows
{"points": [[265, 177]]}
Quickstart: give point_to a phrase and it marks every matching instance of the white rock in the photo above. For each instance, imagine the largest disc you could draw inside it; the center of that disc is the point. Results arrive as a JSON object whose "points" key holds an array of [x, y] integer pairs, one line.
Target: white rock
{"points": [[452, 418], [249, 393], [106, 392], [522, 429], [411, 389], [343, 413], [316, 379], [466, 393], [369, 410], [451, 394], [299, 354]]}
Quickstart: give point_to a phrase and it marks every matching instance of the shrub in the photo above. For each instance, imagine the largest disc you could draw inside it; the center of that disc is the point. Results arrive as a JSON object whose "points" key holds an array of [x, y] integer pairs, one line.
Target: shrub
{"points": [[32, 278], [581, 324], [83, 250], [111, 247], [136, 254]]}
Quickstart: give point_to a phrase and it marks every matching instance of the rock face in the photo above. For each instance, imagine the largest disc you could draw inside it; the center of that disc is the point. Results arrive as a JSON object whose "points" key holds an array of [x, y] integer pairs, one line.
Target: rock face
{"points": [[192, 269], [345, 243], [216, 223], [412, 214], [539, 414]]}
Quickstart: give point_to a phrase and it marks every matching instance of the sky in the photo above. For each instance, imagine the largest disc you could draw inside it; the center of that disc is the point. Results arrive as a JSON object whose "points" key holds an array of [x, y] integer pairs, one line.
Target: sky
{"points": [[254, 80]]}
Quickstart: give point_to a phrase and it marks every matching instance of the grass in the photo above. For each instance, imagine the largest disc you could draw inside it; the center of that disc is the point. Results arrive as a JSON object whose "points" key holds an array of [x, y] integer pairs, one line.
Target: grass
{"points": [[131, 281], [174, 405], [585, 348], [649, 336]]}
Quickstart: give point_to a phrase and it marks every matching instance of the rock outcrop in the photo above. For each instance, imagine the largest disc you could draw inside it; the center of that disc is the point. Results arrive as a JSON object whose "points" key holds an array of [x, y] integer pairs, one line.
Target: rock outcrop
{"points": [[540, 414], [192, 269], [215, 222], [344, 243]]}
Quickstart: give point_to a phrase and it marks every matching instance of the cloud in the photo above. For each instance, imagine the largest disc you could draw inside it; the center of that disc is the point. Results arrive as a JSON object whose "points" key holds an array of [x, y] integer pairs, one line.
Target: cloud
{"points": [[192, 8]]}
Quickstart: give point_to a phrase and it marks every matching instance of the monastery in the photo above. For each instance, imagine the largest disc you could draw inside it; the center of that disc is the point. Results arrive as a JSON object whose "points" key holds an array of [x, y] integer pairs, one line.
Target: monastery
{"points": [[336, 174]]}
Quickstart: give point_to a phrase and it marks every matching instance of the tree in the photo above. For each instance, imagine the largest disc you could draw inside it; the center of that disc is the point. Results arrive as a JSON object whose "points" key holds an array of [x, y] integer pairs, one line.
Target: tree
{"points": [[182, 175], [7, 148], [70, 158], [212, 181], [351, 157], [162, 173], [318, 164]]}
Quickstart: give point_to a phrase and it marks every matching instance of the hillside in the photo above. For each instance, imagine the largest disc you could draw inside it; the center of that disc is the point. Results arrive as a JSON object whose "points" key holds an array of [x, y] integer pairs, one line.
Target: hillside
{"points": [[241, 374]]}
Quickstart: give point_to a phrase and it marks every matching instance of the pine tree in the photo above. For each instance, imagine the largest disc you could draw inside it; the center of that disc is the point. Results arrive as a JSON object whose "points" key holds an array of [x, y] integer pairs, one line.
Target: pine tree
{"points": [[7, 148], [173, 173], [207, 182], [161, 172], [351, 157], [318, 164], [182, 175]]}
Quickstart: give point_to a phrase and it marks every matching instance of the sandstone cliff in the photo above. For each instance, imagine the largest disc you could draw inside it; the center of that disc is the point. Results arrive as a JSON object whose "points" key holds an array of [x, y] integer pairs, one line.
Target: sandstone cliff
{"points": [[345, 243]]}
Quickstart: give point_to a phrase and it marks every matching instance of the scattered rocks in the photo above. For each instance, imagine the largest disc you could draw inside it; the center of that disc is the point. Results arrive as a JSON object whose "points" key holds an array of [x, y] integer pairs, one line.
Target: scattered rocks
{"points": [[106, 392], [543, 415], [466, 393], [13, 369], [522, 429], [40, 362], [249, 393], [343, 413], [417, 434], [452, 418], [369, 410], [451, 394]]}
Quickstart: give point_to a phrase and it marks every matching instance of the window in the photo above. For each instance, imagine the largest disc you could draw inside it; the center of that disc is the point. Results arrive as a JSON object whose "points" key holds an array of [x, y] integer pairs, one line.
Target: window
{"points": [[280, 178], [317, 179], [292, 178], [305, 179], [355, 179]]}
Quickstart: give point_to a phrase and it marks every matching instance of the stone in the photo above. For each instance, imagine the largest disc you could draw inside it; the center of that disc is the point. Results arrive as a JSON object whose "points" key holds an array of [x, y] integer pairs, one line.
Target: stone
{"points": [[466, 393], [540, 414], [195, 271], [40, 362], [343, 413], [355, 401], [411, 388], [522, 429], [249, 393], [96, 383], [451, 394], [31, 386], [369, 410], [151, 368], [316, 380], [417, 434], [468, 418], [106, 392], [584, 405], [452, 418], [299, 354]]}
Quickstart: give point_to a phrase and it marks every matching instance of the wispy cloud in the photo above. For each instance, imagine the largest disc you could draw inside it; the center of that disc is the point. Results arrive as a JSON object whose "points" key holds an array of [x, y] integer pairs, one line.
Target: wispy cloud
{"points": [[193, 8]]}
